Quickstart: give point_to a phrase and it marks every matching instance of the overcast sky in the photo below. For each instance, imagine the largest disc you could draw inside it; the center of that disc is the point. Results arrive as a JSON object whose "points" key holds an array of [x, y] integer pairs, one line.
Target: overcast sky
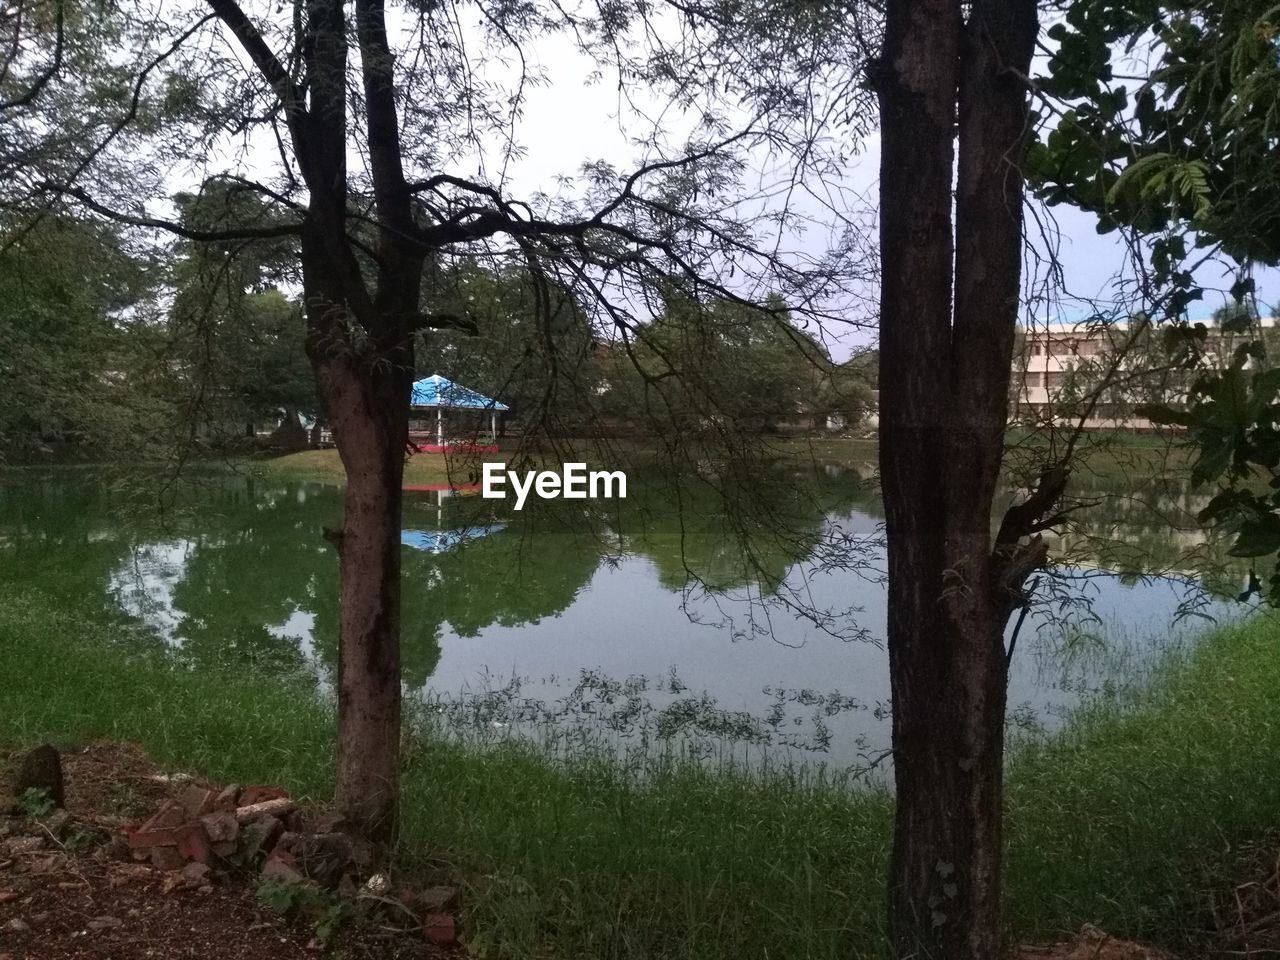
{"points": [[574, 117], [571, 119]]}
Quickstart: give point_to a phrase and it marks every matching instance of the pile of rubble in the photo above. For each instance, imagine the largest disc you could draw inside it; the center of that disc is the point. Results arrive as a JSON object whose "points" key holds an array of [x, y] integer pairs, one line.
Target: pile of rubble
{"points": [[204, 826], [260, 828], [202, 836]]}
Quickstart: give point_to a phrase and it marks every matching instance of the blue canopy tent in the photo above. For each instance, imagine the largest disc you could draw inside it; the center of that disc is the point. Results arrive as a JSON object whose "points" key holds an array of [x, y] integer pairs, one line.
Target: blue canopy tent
{"points": [[440, 393]]}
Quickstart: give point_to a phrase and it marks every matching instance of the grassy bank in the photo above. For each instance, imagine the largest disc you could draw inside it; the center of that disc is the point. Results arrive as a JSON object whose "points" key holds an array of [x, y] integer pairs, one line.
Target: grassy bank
{"points": [[1141, 807], [1123, 820], [1105, 455], [325, 466], [430, 469]]}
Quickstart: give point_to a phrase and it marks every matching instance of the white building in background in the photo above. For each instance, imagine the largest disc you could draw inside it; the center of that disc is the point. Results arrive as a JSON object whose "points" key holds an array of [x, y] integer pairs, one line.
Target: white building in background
{"points": [[1061, 363], [1051, 353]]}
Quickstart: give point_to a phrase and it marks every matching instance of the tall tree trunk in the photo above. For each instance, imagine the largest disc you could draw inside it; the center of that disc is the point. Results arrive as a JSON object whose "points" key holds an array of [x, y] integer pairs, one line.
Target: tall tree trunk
{"points": [[364, 385], [371, 435], [948, 316]]}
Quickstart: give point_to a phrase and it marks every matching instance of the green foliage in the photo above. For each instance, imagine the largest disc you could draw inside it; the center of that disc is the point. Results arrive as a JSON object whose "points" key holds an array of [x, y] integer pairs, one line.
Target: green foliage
{"points": [[326, 912], [78, 841], [1192, 145], [237, 339], [35, 803], [1232, 416], [724, 368], [1189, 159], [1158, 178], [71, 295], [532, 346]]}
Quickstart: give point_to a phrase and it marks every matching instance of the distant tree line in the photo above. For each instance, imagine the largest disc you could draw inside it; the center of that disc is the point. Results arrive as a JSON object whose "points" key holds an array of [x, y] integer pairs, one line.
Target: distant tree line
{"points": [[695, 365], [108, 349]]}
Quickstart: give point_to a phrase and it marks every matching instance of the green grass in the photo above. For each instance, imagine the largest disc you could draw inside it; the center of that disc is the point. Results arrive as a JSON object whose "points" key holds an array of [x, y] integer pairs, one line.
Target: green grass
{"points": [[325, 466], [1123, 820], [1141, 807], [1106, 455], [558, 860]]}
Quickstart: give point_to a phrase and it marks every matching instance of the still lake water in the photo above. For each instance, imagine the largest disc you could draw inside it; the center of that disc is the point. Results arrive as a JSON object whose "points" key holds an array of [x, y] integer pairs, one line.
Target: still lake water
{"points": [[753, 631]]}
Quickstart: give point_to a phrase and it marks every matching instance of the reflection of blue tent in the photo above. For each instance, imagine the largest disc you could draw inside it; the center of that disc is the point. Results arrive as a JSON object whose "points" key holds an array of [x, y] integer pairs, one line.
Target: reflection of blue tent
{"points": [[438, 541]]}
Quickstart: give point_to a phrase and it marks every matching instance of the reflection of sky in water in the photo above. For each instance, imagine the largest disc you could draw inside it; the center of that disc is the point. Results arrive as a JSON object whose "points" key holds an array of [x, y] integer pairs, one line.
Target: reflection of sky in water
{"points": [[144, 586], [626, 622], [301, 627]]}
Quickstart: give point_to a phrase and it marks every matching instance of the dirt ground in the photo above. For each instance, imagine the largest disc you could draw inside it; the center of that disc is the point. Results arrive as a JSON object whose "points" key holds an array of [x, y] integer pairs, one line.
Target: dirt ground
{"points": [[1093, 944], [82, 897]]}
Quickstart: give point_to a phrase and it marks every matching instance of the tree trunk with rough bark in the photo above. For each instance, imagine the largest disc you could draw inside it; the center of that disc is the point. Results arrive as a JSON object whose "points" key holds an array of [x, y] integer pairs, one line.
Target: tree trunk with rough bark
{"points": [[370, 427], [950, 74], [360, 324]]}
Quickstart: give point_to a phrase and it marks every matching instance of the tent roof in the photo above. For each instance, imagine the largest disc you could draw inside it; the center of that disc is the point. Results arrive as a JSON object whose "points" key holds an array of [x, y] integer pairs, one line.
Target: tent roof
{"points": [[438, 391]]}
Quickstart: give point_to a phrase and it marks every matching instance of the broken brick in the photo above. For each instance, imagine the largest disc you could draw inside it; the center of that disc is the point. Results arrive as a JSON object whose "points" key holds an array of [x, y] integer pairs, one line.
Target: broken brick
{"points": [[260, 794], [169, 815], [228, 798], [196, 801], [193, 844], [167, 858], [440, 928], [281, 855], [259, 835], [143, 838], [282, 867], [323, 857]]}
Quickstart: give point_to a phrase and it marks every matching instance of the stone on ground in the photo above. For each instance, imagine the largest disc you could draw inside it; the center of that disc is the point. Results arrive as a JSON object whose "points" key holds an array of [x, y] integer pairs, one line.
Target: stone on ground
{"points": [[41, 769]]}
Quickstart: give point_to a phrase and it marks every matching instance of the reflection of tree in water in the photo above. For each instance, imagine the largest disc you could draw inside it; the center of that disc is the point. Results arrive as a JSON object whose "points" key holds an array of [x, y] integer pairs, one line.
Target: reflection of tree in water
{"points": [[749, 544], [263, 561], [258, 563], [254, 580], [731, 532], [1142, 526], [531, 568], [60, 534]]}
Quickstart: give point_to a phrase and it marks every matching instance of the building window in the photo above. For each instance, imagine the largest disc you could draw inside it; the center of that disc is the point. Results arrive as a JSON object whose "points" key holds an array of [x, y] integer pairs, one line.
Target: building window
{"points": [[1089, 348], [1053, 379], [1060, 348]]}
